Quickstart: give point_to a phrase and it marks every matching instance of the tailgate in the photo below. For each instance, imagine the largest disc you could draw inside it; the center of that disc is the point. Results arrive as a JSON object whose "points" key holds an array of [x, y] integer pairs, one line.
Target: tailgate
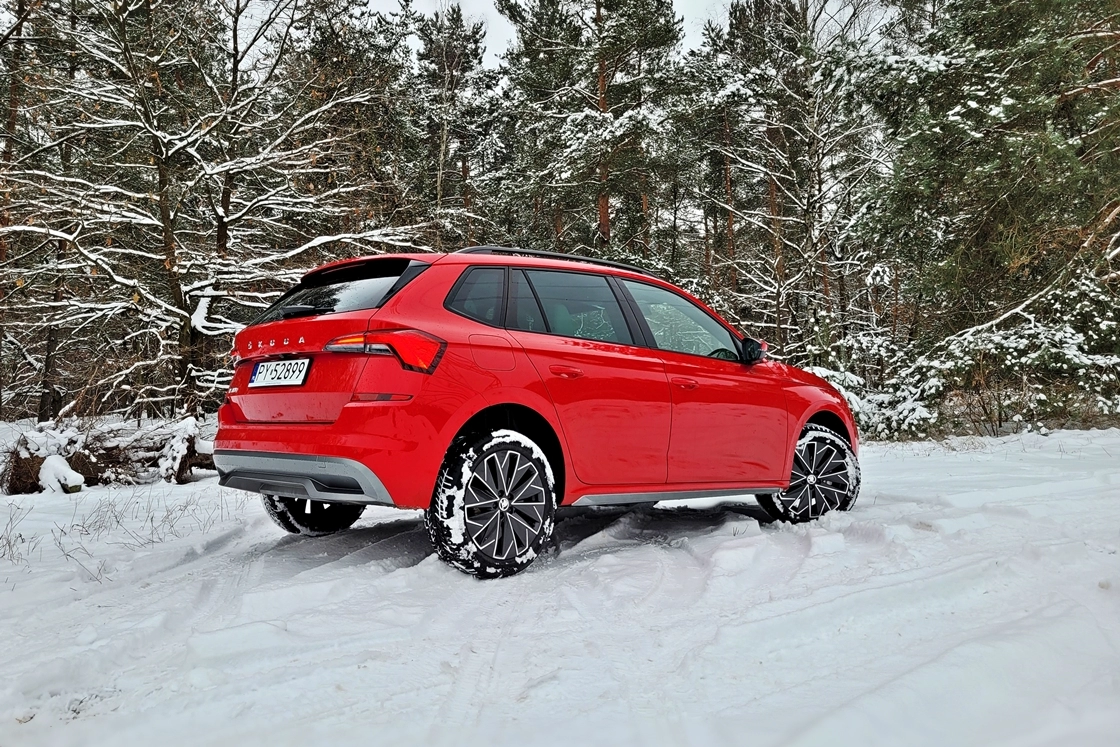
{"points": [[330, 377]]}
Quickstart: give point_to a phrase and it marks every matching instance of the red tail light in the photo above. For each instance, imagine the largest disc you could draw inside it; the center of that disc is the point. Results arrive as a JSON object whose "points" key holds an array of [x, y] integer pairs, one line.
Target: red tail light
{"points": [[416, 350]]}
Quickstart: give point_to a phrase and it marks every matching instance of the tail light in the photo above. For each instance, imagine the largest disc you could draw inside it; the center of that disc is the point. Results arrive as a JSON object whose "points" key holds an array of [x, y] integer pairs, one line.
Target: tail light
{"points": [[416, 350]]}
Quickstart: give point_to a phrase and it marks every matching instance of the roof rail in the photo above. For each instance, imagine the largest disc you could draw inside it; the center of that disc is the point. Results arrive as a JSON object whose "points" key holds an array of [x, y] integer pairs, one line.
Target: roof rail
{"points": [[512, 250]]}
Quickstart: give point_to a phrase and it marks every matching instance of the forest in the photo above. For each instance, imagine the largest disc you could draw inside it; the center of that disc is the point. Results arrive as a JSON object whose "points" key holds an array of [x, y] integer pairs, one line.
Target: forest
{"points": [[918, 200]]}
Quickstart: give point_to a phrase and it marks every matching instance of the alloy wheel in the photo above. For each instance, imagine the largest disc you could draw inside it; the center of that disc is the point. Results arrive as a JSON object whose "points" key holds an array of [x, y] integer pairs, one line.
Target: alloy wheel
{"points": [[819, 483], [505, 504]]}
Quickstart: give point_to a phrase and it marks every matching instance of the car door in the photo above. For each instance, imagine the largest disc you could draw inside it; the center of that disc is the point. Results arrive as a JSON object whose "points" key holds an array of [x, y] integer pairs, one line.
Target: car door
{"points": [[729, 420], [611, 396]]}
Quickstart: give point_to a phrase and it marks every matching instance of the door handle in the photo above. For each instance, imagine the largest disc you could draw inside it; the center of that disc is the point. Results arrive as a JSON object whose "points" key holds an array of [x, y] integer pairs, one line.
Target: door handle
{"points": [[684, 383], [566, 372]]}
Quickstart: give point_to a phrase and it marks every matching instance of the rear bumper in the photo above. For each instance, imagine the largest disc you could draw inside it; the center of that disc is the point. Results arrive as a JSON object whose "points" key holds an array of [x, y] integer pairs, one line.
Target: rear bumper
{"points": [[320, 478]]}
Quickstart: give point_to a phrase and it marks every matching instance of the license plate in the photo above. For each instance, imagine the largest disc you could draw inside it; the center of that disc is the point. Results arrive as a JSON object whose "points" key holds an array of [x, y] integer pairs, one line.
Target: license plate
{"points": [[280, 373]]}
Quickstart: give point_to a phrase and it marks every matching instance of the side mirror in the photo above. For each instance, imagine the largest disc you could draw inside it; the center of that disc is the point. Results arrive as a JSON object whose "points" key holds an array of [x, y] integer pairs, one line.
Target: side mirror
{"points": [[754, 350]]}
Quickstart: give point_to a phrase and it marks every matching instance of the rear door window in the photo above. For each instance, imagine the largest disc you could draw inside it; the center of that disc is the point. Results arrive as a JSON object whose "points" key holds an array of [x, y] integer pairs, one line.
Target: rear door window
{"points": [[524, 312], [480, 295], [580, 305], [352, 287]]}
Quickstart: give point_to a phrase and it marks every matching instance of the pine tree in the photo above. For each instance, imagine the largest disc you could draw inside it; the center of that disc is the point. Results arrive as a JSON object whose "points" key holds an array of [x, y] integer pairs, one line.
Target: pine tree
{"points": [[791, 150], [1004, 114], [458, 104], [590, 85]]}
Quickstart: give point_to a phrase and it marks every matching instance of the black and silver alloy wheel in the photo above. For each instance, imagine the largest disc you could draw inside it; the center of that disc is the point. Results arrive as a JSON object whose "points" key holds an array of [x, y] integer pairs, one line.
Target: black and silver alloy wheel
{"points": [[311, 518], [494, 504], [825, 478], [504, 504]]}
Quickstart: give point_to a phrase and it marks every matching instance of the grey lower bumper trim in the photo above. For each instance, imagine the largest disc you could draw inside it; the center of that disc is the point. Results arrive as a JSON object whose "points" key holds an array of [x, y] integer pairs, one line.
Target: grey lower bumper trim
{"points": [[320, 478], [623, 499]]}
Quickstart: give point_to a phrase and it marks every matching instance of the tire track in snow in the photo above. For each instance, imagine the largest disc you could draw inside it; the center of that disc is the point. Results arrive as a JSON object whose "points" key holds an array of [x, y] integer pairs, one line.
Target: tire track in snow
{"points": [[477, 659]]}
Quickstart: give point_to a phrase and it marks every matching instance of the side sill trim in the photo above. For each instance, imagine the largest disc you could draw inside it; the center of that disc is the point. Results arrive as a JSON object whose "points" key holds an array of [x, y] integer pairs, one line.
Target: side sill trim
{"points": [[622, 499]]}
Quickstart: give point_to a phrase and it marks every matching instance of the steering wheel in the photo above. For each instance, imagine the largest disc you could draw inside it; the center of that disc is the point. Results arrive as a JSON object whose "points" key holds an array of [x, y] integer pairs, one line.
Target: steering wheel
{"points": [[723, 354]]}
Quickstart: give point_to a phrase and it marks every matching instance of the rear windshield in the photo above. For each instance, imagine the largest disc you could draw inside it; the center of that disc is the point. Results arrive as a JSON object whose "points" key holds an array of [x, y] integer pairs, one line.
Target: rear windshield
{"points": [[348, 288]]}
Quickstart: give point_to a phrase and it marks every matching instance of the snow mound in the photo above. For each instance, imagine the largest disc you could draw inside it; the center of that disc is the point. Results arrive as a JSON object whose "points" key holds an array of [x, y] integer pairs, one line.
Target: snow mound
{"points": [[55, 476], [181, 437]]}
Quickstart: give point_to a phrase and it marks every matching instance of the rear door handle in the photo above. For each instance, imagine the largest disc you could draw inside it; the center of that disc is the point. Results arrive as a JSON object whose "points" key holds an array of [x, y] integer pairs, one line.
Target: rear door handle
{"points": [[566, 372], [684, 383]]}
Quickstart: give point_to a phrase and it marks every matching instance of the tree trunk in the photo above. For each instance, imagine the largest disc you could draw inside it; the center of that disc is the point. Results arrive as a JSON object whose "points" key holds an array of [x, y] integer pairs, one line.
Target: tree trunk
{"points": [[604, 237], [222, 240], [674, 247], [730, 197], [604, 206], [645, 220], [171, 266], [707, 250], [779, 258], [776, 240], [14, 72], [818, 242], [466, 174], [558, 227], [13, 92], [50, 399]]}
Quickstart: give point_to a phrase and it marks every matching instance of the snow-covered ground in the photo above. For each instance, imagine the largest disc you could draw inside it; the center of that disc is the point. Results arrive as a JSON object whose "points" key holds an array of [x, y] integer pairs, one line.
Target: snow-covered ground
{"points": [[972, 597]]}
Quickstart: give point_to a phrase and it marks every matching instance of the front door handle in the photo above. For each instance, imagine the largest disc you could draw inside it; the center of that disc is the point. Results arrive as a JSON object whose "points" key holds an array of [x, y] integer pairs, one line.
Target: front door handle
{"points": [[684, 383], [566, 372]]}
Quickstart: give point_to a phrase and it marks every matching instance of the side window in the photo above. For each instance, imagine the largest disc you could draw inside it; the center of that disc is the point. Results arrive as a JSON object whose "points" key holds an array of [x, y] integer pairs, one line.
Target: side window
{"points": [[580, 305], [680, 325], [479, 296], [524, 312]]}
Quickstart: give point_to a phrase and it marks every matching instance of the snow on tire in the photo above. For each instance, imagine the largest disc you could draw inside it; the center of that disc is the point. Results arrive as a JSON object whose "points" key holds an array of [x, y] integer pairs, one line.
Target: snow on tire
{"points": [[494, 505], [825, 477], [311, 518]]}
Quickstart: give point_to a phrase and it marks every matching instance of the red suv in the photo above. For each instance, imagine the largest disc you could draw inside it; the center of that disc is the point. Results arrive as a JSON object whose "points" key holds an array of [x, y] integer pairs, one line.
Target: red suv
{"points": [[492, 385]]}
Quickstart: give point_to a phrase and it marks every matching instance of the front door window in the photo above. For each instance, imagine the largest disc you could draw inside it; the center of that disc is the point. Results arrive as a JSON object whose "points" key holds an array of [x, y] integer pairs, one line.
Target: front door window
{"points": [[681, 326]]}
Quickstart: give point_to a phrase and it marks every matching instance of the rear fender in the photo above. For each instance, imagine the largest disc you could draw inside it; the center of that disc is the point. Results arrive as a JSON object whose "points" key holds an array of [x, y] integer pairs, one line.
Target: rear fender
{"points": [[524, 395]]}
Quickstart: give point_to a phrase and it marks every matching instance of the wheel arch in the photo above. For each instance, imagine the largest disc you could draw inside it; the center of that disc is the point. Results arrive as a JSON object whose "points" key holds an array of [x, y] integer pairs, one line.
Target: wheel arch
{"points": [[832, 421], [818, 410], [527, 421]]}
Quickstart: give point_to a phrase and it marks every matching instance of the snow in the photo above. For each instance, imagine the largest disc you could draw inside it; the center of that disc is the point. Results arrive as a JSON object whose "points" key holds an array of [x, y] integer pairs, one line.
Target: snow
{"points": [[175, 450], [971, 597], [55, 476]]}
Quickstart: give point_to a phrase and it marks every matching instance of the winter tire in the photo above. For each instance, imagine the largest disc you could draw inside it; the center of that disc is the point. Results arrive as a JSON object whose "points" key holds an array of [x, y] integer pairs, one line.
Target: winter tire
{"points": [[311, 518], [494, 505], [825, 478]]}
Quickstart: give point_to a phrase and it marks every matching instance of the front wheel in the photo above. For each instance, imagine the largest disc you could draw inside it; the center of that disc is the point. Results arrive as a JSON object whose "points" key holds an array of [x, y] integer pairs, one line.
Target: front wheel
{"points": [[494, 505], [825, 478]]}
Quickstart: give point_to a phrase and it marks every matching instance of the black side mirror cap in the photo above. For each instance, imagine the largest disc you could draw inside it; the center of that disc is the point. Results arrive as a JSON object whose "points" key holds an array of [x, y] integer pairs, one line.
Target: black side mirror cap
{"points": [[754, 350]]}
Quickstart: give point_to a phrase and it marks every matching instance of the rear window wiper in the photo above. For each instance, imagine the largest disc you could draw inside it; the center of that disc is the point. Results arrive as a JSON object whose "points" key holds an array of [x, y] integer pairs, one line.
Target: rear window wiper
{"points": [[298, 309]]}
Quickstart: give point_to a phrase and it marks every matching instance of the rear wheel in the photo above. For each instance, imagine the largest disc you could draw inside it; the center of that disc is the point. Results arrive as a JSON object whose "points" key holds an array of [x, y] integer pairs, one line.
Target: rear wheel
{"points": [[311, 518], [825, 478], [494, 506]]}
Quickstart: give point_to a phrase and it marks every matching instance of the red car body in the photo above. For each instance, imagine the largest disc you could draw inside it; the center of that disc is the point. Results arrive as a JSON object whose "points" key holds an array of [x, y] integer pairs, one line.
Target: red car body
{"points": [[623, 423]]}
